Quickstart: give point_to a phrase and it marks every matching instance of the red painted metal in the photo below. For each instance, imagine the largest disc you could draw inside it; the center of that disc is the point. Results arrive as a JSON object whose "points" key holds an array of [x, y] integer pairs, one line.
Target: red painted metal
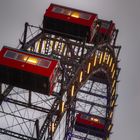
{"points": [[85, 22], [88, 122]]}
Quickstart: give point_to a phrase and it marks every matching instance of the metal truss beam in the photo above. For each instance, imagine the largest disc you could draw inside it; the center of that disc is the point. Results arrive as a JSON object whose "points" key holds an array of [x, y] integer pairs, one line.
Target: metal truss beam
{"points": [[92, 103], [5, 93], [79, 137], [93, 94], [27, 105], [16, 135]]}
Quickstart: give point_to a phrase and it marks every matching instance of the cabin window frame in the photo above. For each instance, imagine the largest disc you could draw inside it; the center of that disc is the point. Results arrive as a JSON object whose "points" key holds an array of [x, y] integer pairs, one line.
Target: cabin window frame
{"points": [[69, 12], [17, 54]]}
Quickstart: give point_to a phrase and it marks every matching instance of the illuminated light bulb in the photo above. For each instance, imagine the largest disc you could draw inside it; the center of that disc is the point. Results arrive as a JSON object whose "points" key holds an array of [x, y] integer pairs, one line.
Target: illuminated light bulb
{"points": [[25, 58], [95, 59], [29, 49], [56, 45], [89, 66], [109, 128], [112, 67], [53, 126], [32, 60], [81, 76], [62, 106], [75, 14], [113, 93], [95, 120], [51, 44], [113, 74], [72, 90], [111, 114], [62, 47], [104, 57], [113, 83], [44, 43], [38, 46], [101, 56], [113, 103], [108, 59]]}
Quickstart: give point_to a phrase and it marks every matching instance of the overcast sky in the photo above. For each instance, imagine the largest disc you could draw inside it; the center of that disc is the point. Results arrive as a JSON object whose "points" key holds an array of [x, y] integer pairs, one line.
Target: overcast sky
{"points": [[126, 15]]}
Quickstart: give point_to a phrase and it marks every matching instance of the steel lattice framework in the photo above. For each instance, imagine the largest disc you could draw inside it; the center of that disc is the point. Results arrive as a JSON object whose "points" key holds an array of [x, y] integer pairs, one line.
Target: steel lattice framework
{"points": [[87, 84]]}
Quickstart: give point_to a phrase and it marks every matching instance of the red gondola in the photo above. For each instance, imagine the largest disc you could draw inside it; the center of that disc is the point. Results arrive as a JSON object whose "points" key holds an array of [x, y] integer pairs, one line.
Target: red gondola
{"points": [[27, 70], [105, 31], [91, 125], [70, 22]]}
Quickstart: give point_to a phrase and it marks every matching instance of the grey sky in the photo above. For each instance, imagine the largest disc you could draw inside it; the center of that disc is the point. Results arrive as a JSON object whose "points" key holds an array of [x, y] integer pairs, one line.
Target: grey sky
{"points": [[126, 15]]}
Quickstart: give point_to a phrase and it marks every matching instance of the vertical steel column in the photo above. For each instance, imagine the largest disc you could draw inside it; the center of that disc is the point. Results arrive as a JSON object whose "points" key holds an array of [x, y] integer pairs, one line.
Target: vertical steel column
{"points": [[25, 35]]}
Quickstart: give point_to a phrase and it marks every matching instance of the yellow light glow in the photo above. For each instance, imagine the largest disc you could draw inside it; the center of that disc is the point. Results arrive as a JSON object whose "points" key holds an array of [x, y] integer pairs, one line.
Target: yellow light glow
{"points": [[38, 46], [89, 66], [62, 47], [81, 76], [111, 114], [62, 106], [109, 128], [75, 14], [113, 93], [113, 83], [53, 126], [108, 59], [104, 57], [44, 43], [72, 90], [113, 74], [94, 119], [112, 67], [32, 60], [101, 56], [25, 58], [113, 103], [95, 59], [56, 45]]}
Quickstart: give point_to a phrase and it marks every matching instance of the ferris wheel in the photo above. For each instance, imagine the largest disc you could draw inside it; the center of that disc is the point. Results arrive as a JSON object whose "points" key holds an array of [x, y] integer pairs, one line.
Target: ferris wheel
{"points": [[61, 82]]}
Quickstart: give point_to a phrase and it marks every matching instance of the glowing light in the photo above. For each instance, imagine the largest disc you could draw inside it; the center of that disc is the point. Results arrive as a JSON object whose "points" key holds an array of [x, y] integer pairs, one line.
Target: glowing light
{"points": [[95, 59], [62, 106], [113, 74], [101, 56], [112, 67], [113, 103], [104, 57], [113, 83], [75, 14], [89, 66], [81, 76], [25, 58], [94, 119], [32, 60], [109, 128], [111, 114], [62, 47], [108, 59], [43, 46], [53, 126], [72, 90], [113, 92], [38, 46]]}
